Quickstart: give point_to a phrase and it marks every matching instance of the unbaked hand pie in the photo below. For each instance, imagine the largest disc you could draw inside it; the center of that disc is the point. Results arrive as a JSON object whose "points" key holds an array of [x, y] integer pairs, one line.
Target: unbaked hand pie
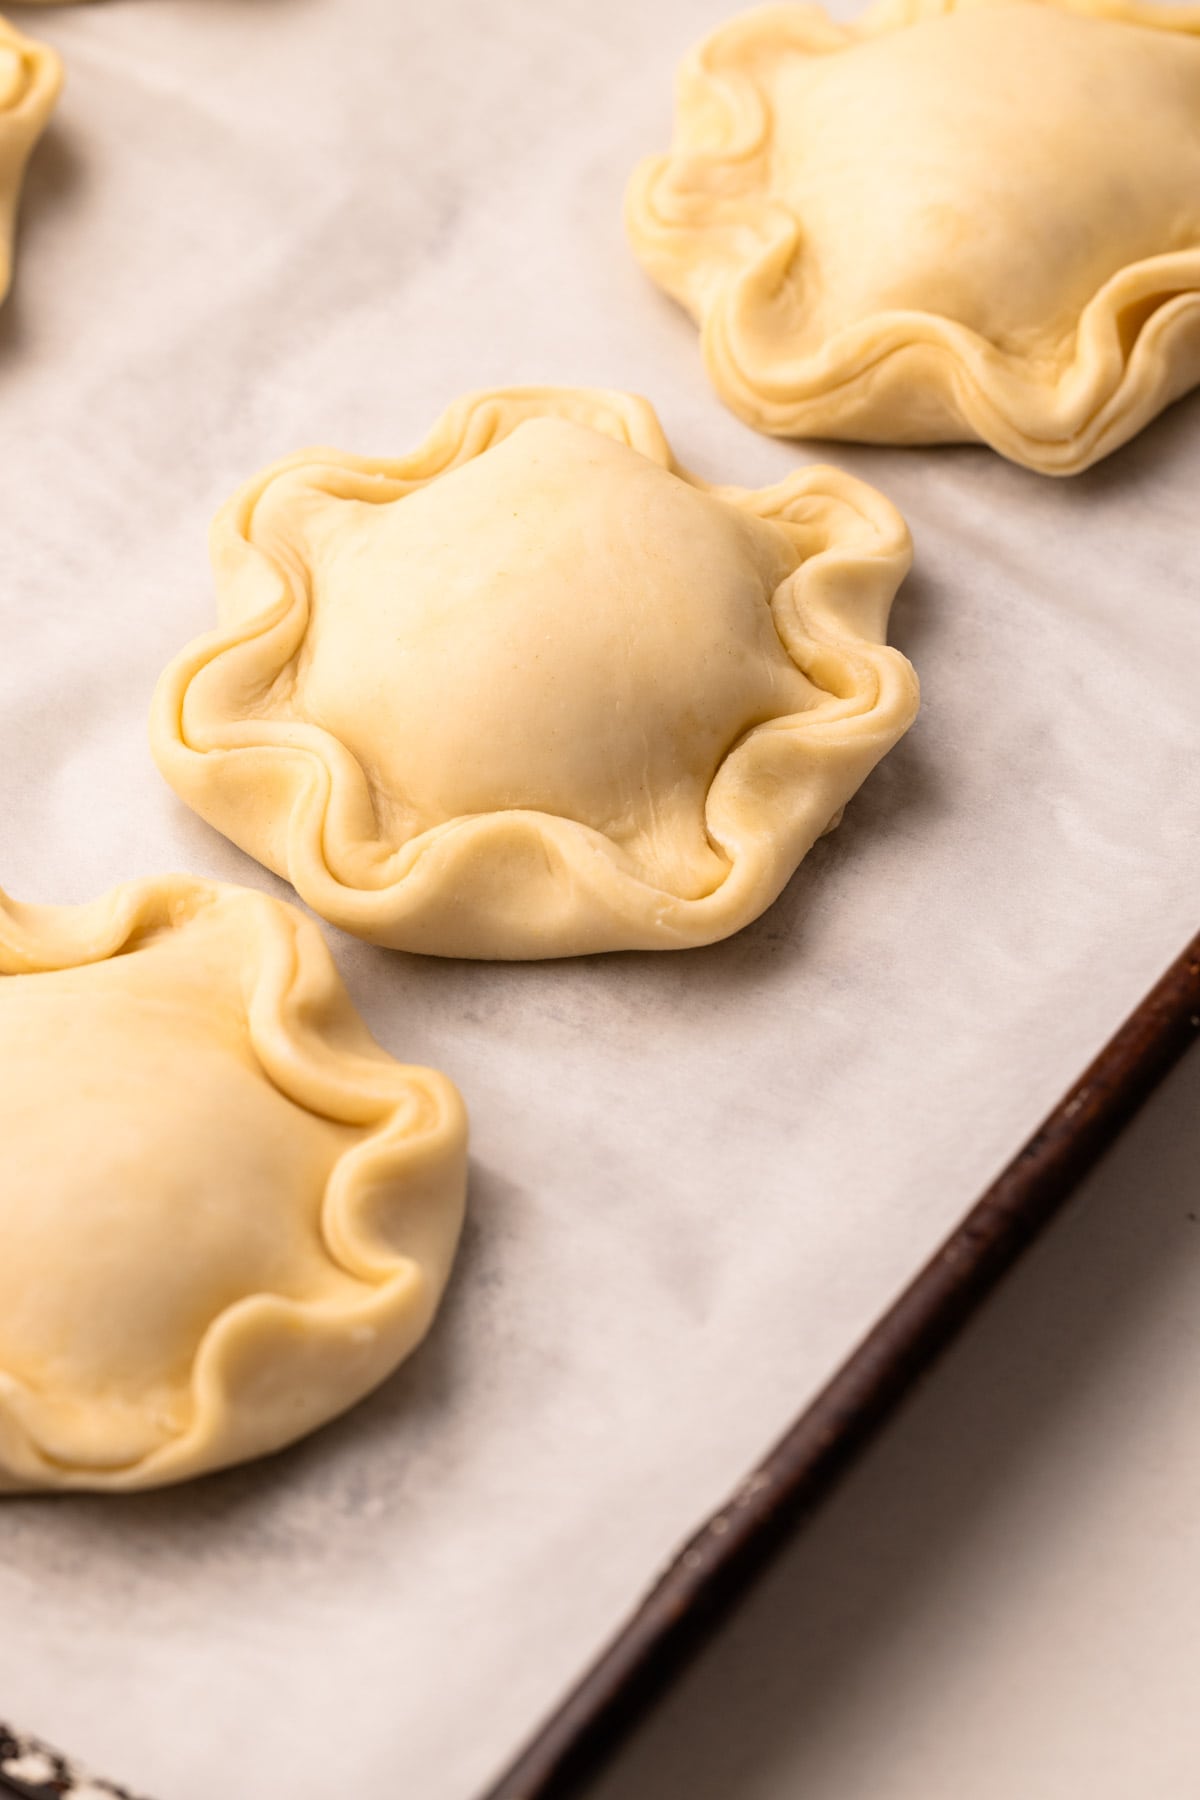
{"points": [[533, 691], [226, 1213], [956, 219], [30, 79]]}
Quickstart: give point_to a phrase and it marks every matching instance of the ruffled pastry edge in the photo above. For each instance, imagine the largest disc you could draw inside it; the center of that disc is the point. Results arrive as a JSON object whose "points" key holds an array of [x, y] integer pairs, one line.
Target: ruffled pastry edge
{"points": [[714, 238], [22, 122], [525, 884], [269, 1369]]}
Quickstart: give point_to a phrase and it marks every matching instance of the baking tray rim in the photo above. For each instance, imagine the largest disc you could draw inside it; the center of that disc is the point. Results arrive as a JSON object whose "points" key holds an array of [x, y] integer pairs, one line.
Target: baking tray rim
{"points": [[719, 1564]]}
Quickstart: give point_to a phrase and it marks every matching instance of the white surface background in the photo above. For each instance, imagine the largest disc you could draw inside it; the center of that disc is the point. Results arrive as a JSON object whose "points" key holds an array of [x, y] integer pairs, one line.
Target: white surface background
{"points": [[263, 223], [1002, 1600]]}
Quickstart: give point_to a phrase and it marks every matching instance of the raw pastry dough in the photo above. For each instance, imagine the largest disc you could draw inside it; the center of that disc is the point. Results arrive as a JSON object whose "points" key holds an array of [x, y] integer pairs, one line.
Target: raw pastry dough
{"points": [[225, 1213], [956, 219], [30, 80], [533, 691]]}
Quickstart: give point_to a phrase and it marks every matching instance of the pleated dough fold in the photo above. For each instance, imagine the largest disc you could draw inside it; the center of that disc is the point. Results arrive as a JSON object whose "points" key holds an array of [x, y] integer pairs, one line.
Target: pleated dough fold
{"points": [[955, 219], [226, 1213], [30, 82], [534, 691]]}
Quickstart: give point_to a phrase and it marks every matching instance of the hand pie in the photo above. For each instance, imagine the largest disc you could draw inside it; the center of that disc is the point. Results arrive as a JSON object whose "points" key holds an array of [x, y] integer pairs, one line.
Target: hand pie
{"points": [[225, 1213], [30, 80], [957, 219], [533, 691]]}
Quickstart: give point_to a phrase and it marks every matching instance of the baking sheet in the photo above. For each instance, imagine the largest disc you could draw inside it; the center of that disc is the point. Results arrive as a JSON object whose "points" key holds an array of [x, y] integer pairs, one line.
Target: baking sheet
{"points": [[1002, 1600], [698, 1177]]}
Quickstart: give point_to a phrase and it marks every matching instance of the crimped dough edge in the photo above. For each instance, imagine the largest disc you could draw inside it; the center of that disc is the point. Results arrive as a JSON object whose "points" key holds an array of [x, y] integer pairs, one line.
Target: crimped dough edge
{"points": [[22, 121], [323, 1357], [523, 884], [908, 377]]}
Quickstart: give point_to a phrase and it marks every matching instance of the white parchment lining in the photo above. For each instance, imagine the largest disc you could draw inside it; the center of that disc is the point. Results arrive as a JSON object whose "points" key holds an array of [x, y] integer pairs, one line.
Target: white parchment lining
{"points": [[698, 1178]]}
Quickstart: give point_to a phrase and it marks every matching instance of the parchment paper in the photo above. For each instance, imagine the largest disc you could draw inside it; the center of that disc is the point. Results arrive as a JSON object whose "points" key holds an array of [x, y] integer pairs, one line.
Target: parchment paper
{"points": [[698, 1177]]}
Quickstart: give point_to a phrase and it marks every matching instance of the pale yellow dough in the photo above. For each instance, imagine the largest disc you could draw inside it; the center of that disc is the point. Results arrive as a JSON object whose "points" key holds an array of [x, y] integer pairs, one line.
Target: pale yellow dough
{"points": [[30, 80], [955, 219], [533, 691], [226, 1213]]}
